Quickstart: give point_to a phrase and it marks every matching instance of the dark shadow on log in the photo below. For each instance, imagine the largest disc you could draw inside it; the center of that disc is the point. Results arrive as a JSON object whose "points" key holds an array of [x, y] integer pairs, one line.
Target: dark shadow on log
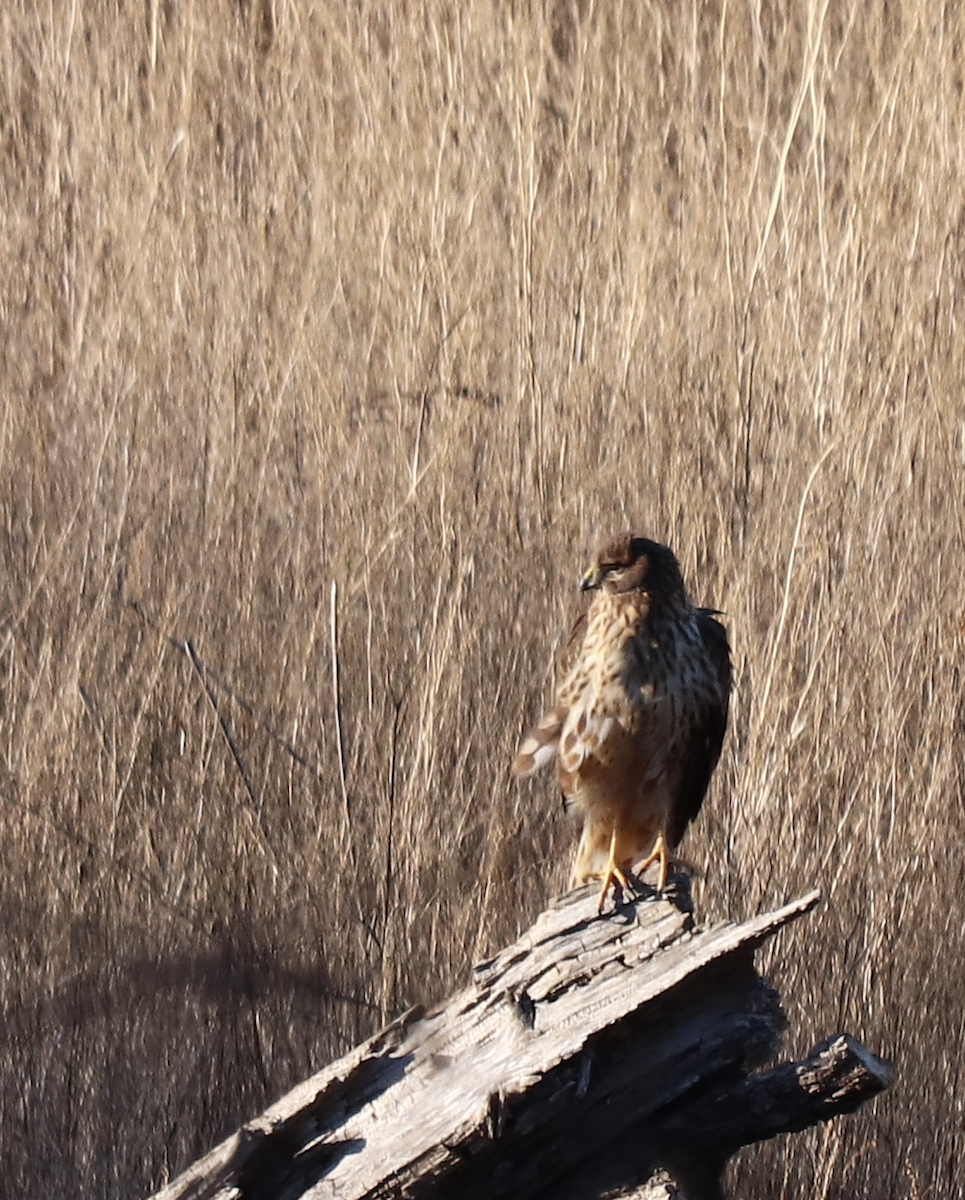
{"points": [[580, 1061]]}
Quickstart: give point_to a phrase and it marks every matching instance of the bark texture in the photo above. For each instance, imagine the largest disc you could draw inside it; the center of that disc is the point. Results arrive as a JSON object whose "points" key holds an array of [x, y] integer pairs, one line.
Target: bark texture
{"points": [[593, 1056]]}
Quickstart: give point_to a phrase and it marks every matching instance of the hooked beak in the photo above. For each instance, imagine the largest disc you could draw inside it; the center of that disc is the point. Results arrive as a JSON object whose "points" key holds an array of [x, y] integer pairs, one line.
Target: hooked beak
{"points": [[592, 579]]}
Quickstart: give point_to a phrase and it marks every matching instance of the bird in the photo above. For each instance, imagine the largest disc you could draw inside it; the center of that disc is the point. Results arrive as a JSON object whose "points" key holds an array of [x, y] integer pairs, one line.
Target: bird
{"points": [[639, 717]]}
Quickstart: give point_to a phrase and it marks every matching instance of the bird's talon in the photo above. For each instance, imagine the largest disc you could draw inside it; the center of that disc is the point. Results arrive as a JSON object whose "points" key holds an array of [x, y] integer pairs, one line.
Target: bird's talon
{"points": [[613, 874], [659, 854]]}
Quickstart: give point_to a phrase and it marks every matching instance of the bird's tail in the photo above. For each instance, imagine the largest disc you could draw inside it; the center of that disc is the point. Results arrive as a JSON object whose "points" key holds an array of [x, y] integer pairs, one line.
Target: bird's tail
{"points": [[540, 745]]}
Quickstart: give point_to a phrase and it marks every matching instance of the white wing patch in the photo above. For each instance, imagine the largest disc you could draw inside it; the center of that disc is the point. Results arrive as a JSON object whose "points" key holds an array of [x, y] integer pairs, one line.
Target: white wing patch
{"points": [[584, 733], [540, 746], [539, 753]]}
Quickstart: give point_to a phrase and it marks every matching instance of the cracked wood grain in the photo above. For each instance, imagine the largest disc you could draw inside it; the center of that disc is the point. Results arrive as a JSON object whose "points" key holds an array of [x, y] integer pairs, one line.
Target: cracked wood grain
{"points": [[560, 1070]]}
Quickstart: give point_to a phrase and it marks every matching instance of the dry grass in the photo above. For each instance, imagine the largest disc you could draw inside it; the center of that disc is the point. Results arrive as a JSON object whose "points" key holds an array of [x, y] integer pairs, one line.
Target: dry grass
{"points": [[332, 336]]}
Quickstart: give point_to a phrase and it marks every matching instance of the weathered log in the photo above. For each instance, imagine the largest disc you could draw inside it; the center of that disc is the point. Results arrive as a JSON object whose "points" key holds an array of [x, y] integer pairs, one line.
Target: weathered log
{"points": [[581, 1060]]}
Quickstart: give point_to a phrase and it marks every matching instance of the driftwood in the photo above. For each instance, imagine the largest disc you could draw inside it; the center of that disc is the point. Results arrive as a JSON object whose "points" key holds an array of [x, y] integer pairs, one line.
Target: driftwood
{"points": [[590, 1057]]}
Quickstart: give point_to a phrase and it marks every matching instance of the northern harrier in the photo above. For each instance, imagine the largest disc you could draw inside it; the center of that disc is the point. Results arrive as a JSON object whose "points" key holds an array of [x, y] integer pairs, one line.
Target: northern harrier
{"points": [[640, 714]]}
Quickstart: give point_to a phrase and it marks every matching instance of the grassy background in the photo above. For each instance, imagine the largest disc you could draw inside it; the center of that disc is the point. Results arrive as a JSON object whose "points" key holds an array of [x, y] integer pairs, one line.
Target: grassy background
{"points": [[331, 339]]}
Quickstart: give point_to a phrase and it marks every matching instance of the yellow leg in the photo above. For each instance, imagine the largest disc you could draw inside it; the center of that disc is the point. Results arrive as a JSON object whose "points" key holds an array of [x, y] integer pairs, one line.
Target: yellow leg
{"points": [[612, 873], [659, 854]]}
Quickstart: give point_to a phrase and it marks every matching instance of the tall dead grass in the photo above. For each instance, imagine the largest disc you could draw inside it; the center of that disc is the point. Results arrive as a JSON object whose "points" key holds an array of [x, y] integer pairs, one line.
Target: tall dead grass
{"points": [[332, 337]]}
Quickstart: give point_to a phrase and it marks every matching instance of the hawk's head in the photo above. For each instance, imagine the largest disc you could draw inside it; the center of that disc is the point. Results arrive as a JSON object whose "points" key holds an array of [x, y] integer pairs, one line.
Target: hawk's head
{"points": [[635, 564]]}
